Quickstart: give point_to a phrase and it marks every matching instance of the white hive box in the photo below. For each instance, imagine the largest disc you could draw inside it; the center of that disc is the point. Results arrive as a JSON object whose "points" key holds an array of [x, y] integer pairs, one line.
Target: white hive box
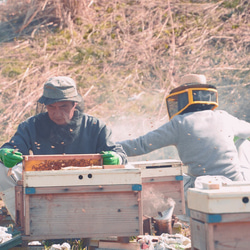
{"points": [[226, 199], [77, 202], [162, 180], [220, 218]]}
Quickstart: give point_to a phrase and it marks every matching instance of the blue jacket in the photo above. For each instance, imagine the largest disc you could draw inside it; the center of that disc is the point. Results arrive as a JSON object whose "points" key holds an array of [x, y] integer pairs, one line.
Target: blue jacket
{"points": [[83, 135]]}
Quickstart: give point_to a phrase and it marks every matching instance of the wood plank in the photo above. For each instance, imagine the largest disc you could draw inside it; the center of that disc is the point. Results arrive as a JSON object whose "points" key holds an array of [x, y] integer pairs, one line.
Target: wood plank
{"points": [[153, 179], [27, 215], [209, 230], [140, 210], [56, 162], [229, 233], [170, 167], [84, 215], [225, 217], [161, 172], [117, 245], [198, 235], [84, 189], [113, 166], [81, 177], [181, 207], [233, 235], [157, 163], [19, 220]]}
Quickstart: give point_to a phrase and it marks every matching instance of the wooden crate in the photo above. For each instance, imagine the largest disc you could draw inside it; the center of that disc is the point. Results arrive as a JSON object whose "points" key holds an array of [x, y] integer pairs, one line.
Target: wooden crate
{"points": [[112, 244], [78, 202], [161, 180], [220, 218]]}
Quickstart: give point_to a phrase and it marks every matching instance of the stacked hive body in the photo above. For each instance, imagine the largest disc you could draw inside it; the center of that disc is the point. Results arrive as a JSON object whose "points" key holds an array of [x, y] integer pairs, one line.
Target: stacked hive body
{"points": [[220, 217], [74, 196], [162, 180]]}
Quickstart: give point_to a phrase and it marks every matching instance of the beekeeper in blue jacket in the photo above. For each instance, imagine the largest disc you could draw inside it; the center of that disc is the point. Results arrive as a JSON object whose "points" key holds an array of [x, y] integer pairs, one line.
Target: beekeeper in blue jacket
{"points": [[203, 136], [63, 129]]}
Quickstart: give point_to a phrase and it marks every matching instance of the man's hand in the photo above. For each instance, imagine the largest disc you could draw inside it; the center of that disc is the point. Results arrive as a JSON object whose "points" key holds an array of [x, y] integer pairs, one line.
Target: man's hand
{"points": [[110, 158], [10, 157]]}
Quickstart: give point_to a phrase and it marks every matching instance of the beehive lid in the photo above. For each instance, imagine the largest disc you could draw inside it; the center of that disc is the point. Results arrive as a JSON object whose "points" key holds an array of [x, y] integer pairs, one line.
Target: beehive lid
{"points": [[231, 198], [157, 168]]}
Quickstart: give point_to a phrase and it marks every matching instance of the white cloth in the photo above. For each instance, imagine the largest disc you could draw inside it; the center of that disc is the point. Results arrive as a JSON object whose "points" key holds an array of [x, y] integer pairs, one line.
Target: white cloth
{"points": [[243, 147], [7, 186], [9, 181], [4, 236]]}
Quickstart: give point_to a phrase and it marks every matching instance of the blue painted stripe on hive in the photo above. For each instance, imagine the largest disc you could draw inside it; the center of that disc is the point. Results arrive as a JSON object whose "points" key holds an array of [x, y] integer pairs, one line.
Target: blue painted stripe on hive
{"points": [[30, 190], [179, 178], [136, 187], [213, 218]]}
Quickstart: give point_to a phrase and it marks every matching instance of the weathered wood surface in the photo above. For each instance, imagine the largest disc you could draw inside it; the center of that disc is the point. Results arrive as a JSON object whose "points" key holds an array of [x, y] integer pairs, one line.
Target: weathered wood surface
{"points": [[118, 245], [220, 218], [113, 243], [19, 206], [81, 177], [81, 189], [91, 202], [82, 215], [220, 236], [157, 163]]}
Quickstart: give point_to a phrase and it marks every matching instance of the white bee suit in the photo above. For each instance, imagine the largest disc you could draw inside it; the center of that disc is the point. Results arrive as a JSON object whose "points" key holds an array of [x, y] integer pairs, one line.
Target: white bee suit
{"points": [[243, 147]]}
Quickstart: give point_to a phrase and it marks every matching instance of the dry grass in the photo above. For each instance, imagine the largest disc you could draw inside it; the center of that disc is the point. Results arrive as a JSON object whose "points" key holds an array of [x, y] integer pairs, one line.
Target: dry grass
{"points": [[124, 55]]}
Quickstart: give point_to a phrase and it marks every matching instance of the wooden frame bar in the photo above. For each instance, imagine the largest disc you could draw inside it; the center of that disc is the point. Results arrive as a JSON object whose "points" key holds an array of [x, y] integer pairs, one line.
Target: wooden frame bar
{"points": [[57, 162]]}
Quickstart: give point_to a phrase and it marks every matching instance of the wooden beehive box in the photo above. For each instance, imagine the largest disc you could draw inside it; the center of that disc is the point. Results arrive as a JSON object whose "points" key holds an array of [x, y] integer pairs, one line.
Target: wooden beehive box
{"points": [[161, 180], [77, 198], [220, 217]]}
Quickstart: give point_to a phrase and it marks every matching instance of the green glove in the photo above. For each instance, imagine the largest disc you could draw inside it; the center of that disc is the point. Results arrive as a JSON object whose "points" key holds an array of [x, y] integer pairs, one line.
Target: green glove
{"points": [[110, 158], [10, 158]]}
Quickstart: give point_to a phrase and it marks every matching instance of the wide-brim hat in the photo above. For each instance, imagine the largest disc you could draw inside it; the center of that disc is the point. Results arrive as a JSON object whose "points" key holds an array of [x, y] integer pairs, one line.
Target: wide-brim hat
{"points": [[192, 81], [193, 78], [58, 89]]}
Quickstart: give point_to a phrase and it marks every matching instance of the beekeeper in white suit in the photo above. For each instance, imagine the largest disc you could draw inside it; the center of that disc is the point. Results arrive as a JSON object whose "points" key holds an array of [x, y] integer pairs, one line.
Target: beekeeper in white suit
{"points": [[203, 136]]}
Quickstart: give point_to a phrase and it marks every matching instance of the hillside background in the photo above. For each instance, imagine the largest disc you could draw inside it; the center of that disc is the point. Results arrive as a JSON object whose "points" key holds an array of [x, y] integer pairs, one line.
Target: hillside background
{"points": [[125, 55]]}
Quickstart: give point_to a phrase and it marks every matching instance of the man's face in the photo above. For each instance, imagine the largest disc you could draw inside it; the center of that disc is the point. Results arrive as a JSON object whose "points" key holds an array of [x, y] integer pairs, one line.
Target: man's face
{"points": [[61, 112]]}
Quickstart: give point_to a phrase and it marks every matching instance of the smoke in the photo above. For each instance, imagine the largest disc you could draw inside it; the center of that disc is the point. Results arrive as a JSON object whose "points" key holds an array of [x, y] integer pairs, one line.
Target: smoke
{"points": [[126, 128], [155, 202]]}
